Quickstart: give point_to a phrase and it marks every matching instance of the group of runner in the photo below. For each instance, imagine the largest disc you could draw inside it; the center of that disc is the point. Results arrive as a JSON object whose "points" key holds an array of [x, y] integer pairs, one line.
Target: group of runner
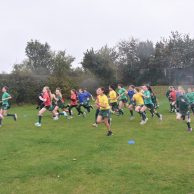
{"points": [[182, 103], [135, 99], [54, 103], [138, 99]]}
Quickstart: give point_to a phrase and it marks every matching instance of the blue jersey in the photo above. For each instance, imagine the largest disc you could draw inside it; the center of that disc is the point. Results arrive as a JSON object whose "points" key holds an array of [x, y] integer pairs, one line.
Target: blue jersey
{"points": [[178, 94], [130, 94], [87, 95], [82, 98]]}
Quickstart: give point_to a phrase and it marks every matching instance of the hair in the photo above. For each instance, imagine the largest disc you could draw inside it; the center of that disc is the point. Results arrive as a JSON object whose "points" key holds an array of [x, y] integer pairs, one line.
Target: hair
{"points": [[150, 89], [132, 86], [137, 89], [112, 87], [49, 91], [58, 89], [74, 91], [121, 85], [60, 94], [103, 89], [181, 88]]}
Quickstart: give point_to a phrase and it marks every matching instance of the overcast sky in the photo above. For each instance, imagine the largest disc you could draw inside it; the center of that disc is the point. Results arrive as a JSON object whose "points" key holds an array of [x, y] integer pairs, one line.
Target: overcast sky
{"points": [[77, 25]]}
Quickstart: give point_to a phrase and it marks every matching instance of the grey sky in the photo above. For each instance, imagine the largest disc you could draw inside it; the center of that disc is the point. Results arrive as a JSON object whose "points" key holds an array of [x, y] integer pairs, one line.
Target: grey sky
{"points": [[77, 25]]}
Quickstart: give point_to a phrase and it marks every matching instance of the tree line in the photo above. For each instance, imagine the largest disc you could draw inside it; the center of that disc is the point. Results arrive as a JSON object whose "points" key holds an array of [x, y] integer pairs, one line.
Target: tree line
{"points": [[169, 61]]}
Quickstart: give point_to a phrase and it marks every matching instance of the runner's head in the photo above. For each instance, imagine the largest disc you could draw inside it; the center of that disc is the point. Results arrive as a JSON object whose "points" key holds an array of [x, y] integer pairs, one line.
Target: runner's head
{"points": [[137, 90], [131, 87], [144, 88], [73, 91], [46, 89], [101, 90], [98, 91], [111, 87], [189, 90], [81, 90], [58, 91], [181, 90], [5, 89], [120, 86]]}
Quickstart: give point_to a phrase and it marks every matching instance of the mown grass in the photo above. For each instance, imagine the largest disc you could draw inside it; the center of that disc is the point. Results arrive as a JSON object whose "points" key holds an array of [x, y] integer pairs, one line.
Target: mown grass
{"points": [[69, 156]]}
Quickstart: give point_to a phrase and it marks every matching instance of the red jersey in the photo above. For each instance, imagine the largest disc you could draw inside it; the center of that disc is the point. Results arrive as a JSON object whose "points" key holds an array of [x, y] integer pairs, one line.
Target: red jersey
{"points": [[73, 99], [46, 96], [173, 95]]}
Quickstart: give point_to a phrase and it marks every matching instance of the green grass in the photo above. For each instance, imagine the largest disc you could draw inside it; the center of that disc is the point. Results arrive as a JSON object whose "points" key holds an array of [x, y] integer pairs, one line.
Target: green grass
{"points": [[40, 160]]}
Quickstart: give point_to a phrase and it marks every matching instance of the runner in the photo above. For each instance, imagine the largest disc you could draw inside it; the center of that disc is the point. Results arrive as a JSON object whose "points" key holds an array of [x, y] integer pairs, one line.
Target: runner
{"points": [[113, 99], [122, 98], [6, 105], [149, 104], [104, 113], [190, 97], [140, 107], [131, 102], [47, 104], [183, 108], [74, 104], [97, 108]]}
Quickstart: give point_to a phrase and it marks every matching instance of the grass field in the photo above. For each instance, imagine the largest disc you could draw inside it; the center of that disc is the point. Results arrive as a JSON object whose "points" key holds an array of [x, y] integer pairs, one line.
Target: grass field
{"points": [[69, 156]]}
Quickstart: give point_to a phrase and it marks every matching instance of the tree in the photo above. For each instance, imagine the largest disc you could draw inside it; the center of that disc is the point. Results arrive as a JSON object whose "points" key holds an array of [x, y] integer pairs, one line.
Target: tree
{"points": [[127, 60], [62, 64], [101, 63], [40, 57]]}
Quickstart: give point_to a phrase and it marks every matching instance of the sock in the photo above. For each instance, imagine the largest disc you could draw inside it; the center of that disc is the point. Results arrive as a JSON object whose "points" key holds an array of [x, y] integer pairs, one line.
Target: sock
{"points": [[158, 115], [152, 112], [189, 125], [10, 115], [171, 107], [143, 116], [120, 111], [63, 113], [131, 113], [39, 118]]}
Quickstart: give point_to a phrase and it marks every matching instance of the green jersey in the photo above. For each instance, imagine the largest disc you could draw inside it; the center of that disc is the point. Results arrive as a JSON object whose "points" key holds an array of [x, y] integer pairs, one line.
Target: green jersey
{"points": [[5, 101], [182, 104], [148, 98], [122, 93], [190, 97]]}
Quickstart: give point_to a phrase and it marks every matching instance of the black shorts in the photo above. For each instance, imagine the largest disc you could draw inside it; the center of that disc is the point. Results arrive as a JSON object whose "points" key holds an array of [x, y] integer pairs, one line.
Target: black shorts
{"points": [[47, 107], [124, 100], [149, 106], [104, 114], [132, 102], [5, 106], [114, 105]]}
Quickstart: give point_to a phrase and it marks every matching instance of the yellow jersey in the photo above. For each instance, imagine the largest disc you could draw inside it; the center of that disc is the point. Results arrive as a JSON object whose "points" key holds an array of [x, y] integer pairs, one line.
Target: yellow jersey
{"points": [[103, 101], [113, 96], [138, 98]]}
